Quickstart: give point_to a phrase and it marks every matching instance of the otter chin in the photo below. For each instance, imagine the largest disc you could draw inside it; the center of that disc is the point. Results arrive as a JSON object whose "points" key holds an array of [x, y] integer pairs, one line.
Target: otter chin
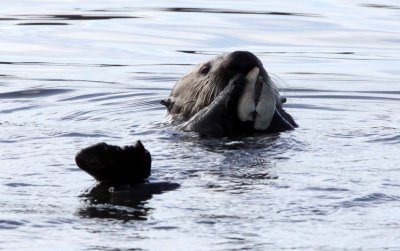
{"points": [[231, 94]]}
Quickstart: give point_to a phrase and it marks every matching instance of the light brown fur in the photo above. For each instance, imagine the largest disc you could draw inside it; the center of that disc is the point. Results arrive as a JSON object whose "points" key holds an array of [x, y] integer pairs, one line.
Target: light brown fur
{"points": [[200, 86]]}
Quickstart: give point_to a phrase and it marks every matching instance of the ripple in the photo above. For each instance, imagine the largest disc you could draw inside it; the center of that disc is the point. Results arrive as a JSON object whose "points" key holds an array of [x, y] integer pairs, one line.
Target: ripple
{"points": [[381, 6], [19, 185], [33, 93], [86, 96], [314, 107], [390, 139], [121, 96], [227, 11], [29, 107], [298, 90], [83, 17], [69, 17], [348, 97], [366, 201], [36, 23], [11, 224], [369, 200], [60, 64], [82, 135], [326, 189], [8, 19], [113, 248], [165, 227], [156, 79]]}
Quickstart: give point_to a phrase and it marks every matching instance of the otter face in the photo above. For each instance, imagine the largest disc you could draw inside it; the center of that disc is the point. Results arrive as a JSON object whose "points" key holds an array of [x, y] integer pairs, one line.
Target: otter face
{"points": [[198, 88]]}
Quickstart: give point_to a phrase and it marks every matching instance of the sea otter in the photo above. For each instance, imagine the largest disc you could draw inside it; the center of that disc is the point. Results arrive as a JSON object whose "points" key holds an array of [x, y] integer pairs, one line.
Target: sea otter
{"points": [[228, 95], [115, 165]]}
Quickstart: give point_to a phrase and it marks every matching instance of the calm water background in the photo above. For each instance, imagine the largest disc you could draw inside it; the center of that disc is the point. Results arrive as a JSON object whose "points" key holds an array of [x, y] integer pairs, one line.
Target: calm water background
{"points": [[74, 73]]}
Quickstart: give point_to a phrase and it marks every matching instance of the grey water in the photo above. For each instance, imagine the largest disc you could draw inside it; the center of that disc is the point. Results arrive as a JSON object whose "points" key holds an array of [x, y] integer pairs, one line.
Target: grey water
{"points": [[75, 73]]}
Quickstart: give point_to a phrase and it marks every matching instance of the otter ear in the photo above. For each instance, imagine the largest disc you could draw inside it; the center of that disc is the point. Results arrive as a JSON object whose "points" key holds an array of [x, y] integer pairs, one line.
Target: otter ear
{"points": [[167, 103], [139, 145]]}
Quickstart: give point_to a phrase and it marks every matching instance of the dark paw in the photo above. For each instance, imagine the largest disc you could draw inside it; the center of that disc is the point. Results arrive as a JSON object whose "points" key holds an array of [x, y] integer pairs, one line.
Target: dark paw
{"points": [[114, 164]]}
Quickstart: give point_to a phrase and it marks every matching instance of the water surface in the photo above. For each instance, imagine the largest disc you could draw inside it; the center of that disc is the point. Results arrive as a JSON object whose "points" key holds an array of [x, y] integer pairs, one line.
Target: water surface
{"points": [[73, 74]]}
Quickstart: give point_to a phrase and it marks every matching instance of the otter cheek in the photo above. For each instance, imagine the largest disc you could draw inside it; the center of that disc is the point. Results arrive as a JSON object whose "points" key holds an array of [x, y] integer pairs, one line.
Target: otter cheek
{"points": [[265, 108], [246, 106]]}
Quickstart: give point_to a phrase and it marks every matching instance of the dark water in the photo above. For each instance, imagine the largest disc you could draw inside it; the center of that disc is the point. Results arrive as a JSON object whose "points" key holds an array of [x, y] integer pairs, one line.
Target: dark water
{"points": [[76, 73]]}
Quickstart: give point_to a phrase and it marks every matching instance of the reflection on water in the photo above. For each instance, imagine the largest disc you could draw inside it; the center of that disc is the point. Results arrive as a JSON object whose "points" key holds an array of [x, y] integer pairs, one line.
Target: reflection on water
{"points": [[121, 203], [74, 74], [101, 203]]}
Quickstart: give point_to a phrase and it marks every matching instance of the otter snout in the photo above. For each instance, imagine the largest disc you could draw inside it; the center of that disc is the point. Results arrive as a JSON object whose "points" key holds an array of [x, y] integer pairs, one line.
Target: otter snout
{"points": [[240, 62], [257, 103]]}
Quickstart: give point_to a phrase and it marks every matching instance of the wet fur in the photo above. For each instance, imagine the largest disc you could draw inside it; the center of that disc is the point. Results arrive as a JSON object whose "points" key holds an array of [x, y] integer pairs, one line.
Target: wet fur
{"points": [[114, 164]]}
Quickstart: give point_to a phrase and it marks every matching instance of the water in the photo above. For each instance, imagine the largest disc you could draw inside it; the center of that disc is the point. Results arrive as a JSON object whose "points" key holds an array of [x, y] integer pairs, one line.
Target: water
{"points": [[77, 73]]}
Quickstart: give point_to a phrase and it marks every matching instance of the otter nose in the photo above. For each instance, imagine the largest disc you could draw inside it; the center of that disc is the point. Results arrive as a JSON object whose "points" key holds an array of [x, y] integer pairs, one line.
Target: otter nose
{"points": [[241, 61]]}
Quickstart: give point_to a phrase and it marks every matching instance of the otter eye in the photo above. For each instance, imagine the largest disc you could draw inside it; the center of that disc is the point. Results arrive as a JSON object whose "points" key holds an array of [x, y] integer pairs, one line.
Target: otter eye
{"points": [[205, 69]]}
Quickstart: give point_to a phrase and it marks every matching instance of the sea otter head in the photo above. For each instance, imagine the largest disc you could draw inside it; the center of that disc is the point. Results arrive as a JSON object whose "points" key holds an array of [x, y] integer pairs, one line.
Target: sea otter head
{"points": [[114, 164], [197, 89]]}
